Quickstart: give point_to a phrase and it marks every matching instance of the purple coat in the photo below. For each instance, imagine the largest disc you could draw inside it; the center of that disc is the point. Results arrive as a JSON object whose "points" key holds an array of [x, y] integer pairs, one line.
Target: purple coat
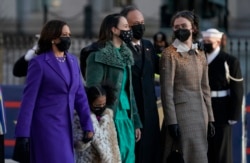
{"points": [[46, 113]]}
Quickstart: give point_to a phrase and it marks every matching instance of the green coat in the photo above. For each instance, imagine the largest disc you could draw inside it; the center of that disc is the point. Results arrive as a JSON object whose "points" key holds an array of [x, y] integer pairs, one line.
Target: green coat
{"points": [[107, 65]]}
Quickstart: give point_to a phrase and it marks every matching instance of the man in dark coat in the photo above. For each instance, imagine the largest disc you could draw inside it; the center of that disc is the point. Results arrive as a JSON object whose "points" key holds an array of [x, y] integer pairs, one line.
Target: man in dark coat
{"points": [[226, 85], [146, 64]]}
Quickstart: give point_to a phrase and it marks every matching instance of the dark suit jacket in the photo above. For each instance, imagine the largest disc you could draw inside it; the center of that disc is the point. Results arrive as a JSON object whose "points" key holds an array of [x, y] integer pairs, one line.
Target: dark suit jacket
{"points": [[146, 64]]}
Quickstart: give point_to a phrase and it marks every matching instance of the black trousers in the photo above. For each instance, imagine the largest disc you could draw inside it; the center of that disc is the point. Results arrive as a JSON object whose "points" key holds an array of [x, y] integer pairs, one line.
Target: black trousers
{"points": [[2, 154], [220, 146]]}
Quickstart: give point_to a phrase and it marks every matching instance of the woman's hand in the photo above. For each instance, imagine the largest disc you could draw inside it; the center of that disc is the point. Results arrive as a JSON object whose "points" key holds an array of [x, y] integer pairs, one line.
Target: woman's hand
{"points": [[211, 129], [174, 131], [87, 136], [137, 134]]}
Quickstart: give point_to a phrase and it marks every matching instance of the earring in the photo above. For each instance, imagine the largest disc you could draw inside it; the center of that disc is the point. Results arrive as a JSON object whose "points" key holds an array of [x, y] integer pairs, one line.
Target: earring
{"points": [[52, 42]]}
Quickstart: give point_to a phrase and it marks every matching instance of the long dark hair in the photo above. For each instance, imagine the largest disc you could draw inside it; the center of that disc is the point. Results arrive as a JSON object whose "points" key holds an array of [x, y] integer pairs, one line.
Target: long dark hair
{"points": [[193, 18], [51, 30], [108, 22]]}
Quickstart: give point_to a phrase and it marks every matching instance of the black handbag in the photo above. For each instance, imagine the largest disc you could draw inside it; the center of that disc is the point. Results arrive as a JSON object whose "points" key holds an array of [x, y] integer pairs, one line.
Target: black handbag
{"points": [[176, 155]]}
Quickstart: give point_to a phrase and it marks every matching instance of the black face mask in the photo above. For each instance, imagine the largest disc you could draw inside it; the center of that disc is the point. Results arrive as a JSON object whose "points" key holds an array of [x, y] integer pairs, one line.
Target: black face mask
{"points": [[98, 111], [138, 31], [64, 44], [182, 34], [208, 47], [126, 36]]}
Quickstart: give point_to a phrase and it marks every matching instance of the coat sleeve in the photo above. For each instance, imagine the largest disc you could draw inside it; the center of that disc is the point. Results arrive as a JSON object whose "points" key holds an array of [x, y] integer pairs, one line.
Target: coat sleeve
{"points": [[206, 90], [94, 71], [33, 81], [236, 90], [136, 117], [167, 74], [20, 67], [82, 107]]}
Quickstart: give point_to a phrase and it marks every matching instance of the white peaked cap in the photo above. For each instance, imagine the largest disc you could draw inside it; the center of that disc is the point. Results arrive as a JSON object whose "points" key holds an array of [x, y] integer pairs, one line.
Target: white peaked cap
{"points": [[212, 32]]}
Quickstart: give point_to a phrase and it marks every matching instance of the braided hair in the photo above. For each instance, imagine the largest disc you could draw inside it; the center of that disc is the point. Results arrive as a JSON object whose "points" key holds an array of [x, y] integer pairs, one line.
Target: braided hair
{"points": [[103, 89]]}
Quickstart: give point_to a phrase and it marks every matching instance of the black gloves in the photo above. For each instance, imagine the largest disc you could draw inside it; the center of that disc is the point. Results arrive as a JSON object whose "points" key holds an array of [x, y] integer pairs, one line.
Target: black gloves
{"points": [[87, 136], [22, 150], [211, 129], [174, 131]]}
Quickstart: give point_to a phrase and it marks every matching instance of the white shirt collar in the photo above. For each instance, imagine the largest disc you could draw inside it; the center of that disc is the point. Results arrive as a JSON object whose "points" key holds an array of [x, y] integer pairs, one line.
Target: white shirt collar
{"points": [[136, 43], [181, 47], [211, 56]]}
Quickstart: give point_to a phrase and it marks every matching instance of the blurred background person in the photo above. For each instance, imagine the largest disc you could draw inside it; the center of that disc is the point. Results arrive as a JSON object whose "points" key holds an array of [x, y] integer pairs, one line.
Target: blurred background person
{"points": [[160, 42], [223, 44]]}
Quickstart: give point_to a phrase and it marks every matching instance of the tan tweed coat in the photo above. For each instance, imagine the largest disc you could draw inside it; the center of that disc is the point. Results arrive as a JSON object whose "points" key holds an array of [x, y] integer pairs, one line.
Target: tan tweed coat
{"points": [[104, 146], [186, 101]]}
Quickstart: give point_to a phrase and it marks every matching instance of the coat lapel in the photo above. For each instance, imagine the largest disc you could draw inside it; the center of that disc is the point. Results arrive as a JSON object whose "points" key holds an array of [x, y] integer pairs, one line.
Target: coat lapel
{"points": [[137, 57], [141, 59], [146, 56], [52, 62], [70, 62]]}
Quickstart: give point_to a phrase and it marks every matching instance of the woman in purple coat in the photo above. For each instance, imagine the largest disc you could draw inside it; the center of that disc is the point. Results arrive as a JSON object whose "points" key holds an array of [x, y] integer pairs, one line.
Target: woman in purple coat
{"points": [[53, 90]]}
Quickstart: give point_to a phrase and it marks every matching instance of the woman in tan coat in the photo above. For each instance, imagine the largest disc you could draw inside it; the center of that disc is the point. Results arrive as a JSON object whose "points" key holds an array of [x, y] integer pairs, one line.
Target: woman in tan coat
{"points": [[185, 92]]}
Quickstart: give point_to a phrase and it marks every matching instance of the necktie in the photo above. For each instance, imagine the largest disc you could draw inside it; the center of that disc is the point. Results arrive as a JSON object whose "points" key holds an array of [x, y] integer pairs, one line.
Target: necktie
{"points": [[138, 48]]}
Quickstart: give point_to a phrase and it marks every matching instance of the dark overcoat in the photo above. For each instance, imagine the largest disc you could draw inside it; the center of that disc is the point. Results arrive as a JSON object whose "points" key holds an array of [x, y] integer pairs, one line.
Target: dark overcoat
{"points": [[146, 64]]}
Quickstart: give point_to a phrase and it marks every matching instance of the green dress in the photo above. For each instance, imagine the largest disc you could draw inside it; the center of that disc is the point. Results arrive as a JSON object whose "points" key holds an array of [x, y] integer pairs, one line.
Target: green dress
{"points": [[124, 126]]}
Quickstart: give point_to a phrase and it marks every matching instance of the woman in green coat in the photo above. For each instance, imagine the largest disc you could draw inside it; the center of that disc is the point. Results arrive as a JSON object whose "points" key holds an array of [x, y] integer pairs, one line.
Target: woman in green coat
{"points": [[112, 63]]}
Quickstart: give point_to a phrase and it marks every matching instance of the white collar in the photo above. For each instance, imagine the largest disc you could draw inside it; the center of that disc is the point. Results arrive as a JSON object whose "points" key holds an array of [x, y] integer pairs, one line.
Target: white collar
{"points": [[181, 47], [211, 56], [136, 43]]}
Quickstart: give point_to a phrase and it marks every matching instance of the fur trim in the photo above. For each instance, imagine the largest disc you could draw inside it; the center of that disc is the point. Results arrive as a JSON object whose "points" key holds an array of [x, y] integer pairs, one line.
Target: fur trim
{"points": [[109, 55], [78, 135], [104, 146]]}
